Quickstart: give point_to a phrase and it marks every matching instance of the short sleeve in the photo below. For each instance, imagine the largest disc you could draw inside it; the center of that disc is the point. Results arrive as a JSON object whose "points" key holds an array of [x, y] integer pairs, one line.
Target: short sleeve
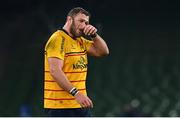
{"points": [[55, 46], [87, 43]]}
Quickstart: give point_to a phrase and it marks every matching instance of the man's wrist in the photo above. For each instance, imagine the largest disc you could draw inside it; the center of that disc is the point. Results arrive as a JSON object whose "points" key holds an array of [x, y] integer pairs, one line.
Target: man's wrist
{"points": [[73, 91], [93, 36]]}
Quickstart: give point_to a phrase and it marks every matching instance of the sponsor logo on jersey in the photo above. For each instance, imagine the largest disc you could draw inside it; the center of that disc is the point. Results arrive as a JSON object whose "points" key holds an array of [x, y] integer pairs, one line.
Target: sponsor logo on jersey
{"points": [[81, 64]]}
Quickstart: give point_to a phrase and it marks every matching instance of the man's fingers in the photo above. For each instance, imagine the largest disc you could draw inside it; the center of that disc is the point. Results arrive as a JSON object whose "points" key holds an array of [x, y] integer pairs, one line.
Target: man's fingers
{"points": [[88, 30], [91, 104], [91, 31], [86, 104], [95, 30], [83, 105], [84, 101]]}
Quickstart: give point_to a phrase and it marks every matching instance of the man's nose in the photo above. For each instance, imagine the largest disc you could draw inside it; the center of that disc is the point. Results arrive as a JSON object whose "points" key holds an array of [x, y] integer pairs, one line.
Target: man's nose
{"points": [[83, 25]]}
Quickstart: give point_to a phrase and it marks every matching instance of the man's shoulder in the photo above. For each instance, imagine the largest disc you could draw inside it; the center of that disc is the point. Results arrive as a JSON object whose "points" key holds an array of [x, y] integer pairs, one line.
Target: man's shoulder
{"points": [[57, 33]]}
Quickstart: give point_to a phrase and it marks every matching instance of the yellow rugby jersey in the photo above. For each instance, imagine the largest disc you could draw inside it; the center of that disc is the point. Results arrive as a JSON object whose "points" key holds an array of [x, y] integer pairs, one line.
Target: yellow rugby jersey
{"points": [[74, 54]]}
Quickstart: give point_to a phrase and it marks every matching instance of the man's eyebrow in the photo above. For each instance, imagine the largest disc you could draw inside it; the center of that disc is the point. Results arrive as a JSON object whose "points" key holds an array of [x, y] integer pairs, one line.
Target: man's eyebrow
{"points": [[84, 20]]}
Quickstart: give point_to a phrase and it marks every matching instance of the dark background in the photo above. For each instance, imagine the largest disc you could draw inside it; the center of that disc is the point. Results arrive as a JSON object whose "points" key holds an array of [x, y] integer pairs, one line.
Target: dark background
{"points": [[140, 77]]}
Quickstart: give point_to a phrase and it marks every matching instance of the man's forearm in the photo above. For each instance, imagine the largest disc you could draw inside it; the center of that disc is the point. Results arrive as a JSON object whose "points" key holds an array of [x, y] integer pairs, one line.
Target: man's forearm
{"points": [[62, 80], [101, 46]]}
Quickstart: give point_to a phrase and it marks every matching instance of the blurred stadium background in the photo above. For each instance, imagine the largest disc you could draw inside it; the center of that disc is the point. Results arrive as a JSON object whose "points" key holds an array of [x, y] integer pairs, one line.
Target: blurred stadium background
{"points": [[140, 77]]}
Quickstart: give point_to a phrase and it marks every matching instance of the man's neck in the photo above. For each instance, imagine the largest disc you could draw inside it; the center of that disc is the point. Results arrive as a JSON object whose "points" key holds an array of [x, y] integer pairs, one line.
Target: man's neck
{"points": [[67, 31]]}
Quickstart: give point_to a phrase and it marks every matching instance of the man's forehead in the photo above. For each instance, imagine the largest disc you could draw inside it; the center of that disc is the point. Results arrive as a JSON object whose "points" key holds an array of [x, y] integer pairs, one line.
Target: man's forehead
{"points": [[82, 16]]}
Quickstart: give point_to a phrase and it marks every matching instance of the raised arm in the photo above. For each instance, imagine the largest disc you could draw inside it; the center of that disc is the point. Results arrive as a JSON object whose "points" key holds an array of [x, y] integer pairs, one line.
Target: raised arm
{"points": [[99, 47]]}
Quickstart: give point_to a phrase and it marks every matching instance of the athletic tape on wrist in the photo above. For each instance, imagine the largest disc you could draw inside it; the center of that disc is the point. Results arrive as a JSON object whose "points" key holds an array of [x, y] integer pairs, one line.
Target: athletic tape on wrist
{"points": [[73, 91]]}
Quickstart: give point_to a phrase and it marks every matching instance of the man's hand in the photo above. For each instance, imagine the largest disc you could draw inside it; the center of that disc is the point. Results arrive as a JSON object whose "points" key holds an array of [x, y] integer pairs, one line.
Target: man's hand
{"points": [[83, 100], [89, 30]]}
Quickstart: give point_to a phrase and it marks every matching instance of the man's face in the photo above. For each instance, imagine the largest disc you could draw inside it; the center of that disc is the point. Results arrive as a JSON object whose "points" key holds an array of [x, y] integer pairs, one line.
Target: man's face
{"points": [[78, 24]]}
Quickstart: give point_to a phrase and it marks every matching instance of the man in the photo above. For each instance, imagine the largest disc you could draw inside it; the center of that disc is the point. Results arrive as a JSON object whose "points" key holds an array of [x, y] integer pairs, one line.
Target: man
{"points": [[66, 65]]}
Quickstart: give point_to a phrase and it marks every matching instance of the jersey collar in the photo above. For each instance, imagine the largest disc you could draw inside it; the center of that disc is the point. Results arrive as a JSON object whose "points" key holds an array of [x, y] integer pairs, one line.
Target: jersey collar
{"points": [[74, 38]]}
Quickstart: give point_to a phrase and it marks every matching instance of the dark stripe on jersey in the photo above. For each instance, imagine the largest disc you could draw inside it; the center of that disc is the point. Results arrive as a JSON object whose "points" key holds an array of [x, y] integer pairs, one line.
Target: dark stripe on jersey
{"points": [[70, 81], [62, 45], [60, 98], [76, 52], [69, 72], [62, 90]]}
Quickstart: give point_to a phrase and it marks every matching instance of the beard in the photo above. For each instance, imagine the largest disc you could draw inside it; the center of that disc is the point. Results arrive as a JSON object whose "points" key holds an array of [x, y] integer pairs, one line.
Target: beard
{"points": [[74, 30]]}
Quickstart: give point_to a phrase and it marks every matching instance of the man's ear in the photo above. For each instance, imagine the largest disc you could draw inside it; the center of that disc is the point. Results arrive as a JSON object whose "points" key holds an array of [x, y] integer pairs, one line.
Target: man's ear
{"points": [[69, 19]]}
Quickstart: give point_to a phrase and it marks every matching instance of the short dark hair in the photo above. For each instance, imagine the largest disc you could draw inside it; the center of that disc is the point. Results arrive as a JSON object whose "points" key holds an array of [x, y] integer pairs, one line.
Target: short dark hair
{"points": [[73, 12]]}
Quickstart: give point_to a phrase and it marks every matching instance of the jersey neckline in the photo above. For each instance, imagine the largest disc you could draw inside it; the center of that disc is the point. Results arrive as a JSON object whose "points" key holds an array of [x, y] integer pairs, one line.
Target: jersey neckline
{"points": [[74, 38]]}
